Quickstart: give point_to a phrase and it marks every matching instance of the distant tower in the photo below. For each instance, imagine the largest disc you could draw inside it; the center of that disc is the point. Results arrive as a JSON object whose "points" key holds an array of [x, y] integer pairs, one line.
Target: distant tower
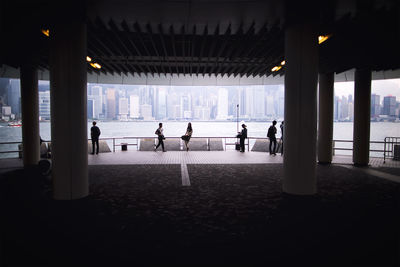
{"points": [[44, 105], [389, 105], [123, 108], [222, 112], [111, 105], [375, 105], [134, 107]]}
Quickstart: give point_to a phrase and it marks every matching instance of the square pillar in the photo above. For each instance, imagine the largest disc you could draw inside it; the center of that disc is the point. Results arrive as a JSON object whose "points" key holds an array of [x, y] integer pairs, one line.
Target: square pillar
{"points": [[325, 118], [68, 94], [301, 76]]}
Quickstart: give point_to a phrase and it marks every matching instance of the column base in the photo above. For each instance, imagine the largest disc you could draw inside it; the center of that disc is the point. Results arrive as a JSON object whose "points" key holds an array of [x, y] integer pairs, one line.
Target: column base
{"points": [[360, 165], [324, 162]]}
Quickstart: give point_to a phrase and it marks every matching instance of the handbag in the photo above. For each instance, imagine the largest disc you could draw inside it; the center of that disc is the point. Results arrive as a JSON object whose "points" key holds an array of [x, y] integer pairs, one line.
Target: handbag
{"points": [[185, 137]]}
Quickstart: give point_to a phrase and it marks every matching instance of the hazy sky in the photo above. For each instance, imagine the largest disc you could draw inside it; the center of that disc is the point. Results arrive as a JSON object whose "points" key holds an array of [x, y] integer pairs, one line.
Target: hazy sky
{"points": [[379, 87]]}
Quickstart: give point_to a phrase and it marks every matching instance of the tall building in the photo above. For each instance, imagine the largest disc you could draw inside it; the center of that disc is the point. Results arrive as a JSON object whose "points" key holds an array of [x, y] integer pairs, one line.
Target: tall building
{"points": [[375, 105], [186, 105], [14, 97], [146, 112], [134, 107], [259, 102], [90, 109], [44, 105], [389, 105], [96, 94], [123, 108], [344, 109], [111, 105], [222, 111], [162, 103]]}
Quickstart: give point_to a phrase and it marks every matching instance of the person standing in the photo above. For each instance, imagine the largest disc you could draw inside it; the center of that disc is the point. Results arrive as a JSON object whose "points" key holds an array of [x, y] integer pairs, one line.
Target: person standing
{"points": [[188, 135], [281, 126], [272, 138], [243, 136], [160, 134], [94, 134]]}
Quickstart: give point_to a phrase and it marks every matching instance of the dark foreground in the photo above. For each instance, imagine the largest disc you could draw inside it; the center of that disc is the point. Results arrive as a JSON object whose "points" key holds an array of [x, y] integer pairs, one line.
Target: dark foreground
{"points": [[230, 215]]}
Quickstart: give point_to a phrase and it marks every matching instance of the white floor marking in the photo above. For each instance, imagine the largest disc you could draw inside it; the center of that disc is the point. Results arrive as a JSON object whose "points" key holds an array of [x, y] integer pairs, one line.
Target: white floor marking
{"points": [[384, 175], [185, 174]]}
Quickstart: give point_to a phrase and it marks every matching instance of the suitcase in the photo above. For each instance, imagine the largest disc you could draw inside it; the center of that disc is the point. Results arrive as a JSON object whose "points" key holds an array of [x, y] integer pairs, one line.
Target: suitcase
{"points": [[237, 146]]}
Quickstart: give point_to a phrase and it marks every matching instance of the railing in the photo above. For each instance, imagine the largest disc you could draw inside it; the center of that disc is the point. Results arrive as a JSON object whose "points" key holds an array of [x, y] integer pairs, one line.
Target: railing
{"points": [[387, 151], [228, 140], [389, 145], [372, 149]]}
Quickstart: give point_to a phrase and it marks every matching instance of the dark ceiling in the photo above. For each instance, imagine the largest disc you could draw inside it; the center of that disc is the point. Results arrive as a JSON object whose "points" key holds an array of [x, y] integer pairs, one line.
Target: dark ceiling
{"points": [[232, 38]]}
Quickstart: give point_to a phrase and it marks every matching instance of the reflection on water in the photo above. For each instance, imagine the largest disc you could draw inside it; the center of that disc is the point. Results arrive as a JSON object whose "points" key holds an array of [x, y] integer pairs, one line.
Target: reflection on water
{"points": [[342, 131]]}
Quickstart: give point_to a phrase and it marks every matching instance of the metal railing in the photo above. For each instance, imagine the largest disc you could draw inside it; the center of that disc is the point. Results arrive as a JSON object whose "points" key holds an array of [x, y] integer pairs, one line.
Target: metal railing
{"points": [[385, 151], [389, 147]]}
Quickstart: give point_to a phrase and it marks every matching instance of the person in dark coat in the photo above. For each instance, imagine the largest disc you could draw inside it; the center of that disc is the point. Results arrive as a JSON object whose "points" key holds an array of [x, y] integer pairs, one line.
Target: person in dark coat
{"points": [[188, 135], [160, 134], [95, 133], [243, 136], [272, 138]]}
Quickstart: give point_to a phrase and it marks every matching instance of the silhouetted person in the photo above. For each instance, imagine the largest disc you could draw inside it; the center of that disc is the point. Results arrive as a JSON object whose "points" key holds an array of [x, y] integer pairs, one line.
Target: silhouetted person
{"points": [[95, 133], [188, 135], [242, 136], [281, 126], [272, 138], [160, 134]]}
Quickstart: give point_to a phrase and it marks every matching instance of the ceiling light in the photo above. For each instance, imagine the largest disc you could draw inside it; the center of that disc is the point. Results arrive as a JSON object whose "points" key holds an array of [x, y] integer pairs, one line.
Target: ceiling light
{"points": [[283, 62], [95, 65], [88, 59], [276, 68], [323, 38], [46, 32]]}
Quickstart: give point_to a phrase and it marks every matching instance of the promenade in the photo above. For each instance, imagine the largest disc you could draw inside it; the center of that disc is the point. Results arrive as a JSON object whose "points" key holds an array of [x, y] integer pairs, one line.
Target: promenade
{"points": [[203, 208]]}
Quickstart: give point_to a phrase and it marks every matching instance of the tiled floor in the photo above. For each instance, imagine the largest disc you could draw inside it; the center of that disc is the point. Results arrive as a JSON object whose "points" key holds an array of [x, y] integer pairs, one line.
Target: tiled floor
{"points": [[195, 157]]}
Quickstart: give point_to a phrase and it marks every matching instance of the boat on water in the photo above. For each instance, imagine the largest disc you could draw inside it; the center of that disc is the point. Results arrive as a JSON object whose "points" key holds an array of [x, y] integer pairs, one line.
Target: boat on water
{"points": [[15, 124]]}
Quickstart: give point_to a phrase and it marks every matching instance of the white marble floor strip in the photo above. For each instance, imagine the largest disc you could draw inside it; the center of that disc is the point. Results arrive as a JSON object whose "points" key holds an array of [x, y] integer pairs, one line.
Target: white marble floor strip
{"points": [[185, 174], [383, 175]]}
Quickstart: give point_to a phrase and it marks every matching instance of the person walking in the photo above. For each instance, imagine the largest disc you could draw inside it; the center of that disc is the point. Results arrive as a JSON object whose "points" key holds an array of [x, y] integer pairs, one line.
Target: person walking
{"points": [[94, 134], [272, 138], [243, 136], [281, 126], [188, 135], [160, 133]]}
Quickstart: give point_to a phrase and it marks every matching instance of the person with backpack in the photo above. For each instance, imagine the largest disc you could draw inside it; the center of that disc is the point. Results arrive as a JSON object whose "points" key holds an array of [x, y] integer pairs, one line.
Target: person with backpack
{"points": [[160, 134], [94, 134], [272, 138]]}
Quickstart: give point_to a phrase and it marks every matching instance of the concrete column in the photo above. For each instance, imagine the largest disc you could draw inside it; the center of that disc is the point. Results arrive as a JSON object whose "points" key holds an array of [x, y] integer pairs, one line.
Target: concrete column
{"points": [[325, 120], [30, 115], [301, 75], [68, 95], [362, 117]]}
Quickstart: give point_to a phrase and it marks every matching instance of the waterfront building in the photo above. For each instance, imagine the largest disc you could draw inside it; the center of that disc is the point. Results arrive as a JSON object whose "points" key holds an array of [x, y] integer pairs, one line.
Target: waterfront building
{"points": [[134, 107], [111, 103], [44, 105], [222, 111], [389, 106], [375, 106], [146, 112], [123, 108]]}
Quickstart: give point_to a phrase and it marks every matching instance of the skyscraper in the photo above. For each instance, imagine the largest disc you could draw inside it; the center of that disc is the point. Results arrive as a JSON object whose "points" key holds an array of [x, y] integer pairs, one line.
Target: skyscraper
{"points": [[123, 108], [134, 107], [90, 108], [111, 105], [222, 111], [389, 105], [375, 105], [44, 105], [14, 97]]}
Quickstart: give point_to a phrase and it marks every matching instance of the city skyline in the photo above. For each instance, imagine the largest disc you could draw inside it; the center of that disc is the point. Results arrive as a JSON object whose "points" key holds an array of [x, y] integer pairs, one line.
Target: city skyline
{"points": [[155, 102]]}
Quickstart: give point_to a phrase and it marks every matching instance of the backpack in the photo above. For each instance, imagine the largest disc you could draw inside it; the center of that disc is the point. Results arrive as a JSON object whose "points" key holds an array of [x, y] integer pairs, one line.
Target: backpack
{"points": [[157, 132], [271, 132]]}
